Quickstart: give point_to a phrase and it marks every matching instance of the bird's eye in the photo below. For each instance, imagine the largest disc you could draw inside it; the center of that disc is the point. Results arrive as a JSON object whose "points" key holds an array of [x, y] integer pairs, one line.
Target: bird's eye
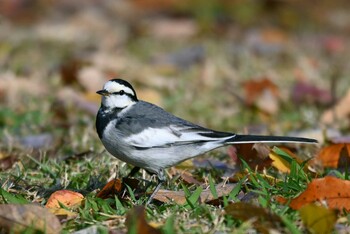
{"points": [[121, 92]]}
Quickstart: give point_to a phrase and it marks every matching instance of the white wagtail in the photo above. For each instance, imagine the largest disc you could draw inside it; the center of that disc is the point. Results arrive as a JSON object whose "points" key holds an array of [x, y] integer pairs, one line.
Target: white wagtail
{"points": [[146, 136]]}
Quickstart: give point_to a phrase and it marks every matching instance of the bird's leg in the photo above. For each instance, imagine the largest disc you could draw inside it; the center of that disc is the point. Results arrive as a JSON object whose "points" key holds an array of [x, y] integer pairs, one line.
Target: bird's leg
{"points": [[161, 180], [133, 172]]}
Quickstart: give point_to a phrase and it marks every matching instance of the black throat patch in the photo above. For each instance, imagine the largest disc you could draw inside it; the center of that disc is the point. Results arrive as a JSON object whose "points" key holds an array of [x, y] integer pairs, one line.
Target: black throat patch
{"points": [[103, 118]]}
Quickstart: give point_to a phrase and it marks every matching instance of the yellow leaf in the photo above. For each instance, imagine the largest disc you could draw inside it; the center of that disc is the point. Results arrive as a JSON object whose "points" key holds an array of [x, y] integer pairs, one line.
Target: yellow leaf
{"points": [[318, 219], [188, 164], [60, 212], [279, 163]]}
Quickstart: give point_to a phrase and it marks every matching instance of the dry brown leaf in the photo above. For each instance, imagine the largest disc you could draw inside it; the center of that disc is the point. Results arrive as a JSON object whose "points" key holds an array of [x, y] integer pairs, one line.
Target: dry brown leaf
{"points": [[341, 111], [136, 222], [6, 161], [69, 70], [333, 191], [263, 220], [17, 218], [262, 93], [189, 179], [205, 197], [112, 188], [255, 155], [66, 197]]}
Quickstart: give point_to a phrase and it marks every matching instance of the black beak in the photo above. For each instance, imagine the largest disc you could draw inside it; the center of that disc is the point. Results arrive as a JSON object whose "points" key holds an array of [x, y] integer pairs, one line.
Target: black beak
{"points": [[102, 92]]}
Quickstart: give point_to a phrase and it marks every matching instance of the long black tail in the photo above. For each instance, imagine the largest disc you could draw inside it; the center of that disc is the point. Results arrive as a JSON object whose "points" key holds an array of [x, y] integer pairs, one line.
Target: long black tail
{"points": [[240, 139]]}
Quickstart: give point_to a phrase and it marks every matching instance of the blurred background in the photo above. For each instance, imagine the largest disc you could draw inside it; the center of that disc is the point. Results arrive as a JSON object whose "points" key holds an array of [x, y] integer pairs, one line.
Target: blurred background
{"points": [[266, 67]]}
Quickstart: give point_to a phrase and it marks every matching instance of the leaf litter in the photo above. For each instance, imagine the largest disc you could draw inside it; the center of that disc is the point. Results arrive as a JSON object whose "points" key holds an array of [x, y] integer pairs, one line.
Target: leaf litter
{"points": [[56, 62]]}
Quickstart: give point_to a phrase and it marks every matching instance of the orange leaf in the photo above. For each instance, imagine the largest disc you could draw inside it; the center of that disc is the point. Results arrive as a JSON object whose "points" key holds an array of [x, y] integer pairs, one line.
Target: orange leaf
{"points": [[66, 197], [111, 188], [335, 192], [330, 155], [255, 88]]}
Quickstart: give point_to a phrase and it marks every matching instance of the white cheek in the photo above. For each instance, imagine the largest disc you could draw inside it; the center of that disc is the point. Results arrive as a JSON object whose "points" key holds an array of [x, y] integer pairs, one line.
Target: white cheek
{"points": [[116, 101]]}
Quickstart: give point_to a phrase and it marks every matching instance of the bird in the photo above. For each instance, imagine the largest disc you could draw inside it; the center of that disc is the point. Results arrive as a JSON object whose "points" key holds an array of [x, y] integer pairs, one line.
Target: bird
{"points": [[146, 136]]}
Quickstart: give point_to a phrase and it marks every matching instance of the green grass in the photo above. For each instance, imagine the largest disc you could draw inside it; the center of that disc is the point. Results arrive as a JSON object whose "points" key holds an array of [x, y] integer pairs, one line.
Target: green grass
{"points": [[193, 216]]}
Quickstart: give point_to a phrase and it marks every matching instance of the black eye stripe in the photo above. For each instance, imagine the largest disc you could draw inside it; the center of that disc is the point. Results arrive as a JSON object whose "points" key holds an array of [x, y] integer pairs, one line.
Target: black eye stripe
{"points": [[121, 92]]}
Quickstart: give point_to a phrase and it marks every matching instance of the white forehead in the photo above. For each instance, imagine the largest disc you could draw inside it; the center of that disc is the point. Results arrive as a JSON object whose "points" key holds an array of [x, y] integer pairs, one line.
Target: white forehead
{"points": [[112, 87]]}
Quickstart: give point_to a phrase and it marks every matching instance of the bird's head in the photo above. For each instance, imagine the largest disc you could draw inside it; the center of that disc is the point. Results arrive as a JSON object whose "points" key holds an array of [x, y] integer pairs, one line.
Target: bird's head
{"points": [[117, 93]]}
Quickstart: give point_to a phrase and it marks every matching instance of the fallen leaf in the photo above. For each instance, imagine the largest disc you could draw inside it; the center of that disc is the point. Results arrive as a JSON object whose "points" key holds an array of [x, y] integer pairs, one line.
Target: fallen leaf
{"points": [[69, 70], [205, 197], [187, 164], [279, 161], [333, 156], [7, 161], [136, 222], [17, 218], [339, 112], [185, 175], [255, 155], [112, 188], [66, 197], [263, 220], [91, 79], [189, 179], [262, 93], [281, 164], [63, 214], [303, 92], [335, 192], [318, 219]]}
